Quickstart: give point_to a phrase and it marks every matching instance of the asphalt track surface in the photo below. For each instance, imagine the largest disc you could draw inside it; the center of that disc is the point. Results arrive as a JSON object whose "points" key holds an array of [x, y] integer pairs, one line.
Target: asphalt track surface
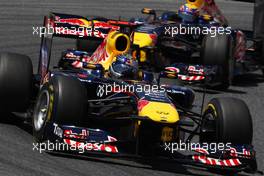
{"points": [[17, 18]]}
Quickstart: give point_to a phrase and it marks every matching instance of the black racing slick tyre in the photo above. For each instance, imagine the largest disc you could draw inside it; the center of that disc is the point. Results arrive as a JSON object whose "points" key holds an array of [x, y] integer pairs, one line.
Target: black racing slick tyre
{"points": [[15, 82], [218, 51], [63, 100], [227, 120]]}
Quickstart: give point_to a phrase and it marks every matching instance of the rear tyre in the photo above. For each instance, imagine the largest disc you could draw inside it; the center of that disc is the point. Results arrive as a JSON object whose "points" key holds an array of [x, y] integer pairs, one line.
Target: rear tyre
{"points": [[227, 120], [15, 82], [218, 51], [61, 101]]}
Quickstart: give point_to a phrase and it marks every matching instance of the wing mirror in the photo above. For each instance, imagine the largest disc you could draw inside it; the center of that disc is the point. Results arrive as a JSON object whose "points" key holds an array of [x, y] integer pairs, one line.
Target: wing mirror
{"points": [[149, 12]]}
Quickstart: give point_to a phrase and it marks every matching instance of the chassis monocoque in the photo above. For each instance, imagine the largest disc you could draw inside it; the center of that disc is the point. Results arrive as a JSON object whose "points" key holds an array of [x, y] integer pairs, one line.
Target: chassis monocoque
{"points": [[74, 105]]}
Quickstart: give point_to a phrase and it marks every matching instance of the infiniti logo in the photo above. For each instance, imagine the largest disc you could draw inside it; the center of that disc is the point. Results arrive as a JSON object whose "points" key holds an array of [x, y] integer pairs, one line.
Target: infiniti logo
{"points": [[162, 113]]}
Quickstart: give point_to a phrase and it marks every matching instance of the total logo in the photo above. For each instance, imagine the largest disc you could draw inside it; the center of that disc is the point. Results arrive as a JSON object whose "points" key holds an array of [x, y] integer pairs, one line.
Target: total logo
{"points": [[195, 70]]}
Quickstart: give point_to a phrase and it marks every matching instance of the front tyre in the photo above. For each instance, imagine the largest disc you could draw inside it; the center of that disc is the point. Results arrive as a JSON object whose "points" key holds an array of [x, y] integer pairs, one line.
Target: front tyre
{"points": [[63, 101], [227, 120], [218, 51]]}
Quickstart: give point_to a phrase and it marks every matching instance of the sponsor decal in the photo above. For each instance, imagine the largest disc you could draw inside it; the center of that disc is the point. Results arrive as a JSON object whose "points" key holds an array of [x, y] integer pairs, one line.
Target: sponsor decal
{"points": [[72, 21], [92, 146], [70, 134], [194, 70], [57, 130], [216, 162]]}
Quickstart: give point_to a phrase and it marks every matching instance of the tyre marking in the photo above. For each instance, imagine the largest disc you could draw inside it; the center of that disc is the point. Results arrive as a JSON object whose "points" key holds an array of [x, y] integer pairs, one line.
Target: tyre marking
{"points": [[50, 103], [213, 107]]}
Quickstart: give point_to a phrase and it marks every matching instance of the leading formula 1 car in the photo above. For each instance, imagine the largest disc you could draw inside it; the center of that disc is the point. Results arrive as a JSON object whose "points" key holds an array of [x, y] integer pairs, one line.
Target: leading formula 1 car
{"points": [[196, 42], [181, 43], [69, 105]]}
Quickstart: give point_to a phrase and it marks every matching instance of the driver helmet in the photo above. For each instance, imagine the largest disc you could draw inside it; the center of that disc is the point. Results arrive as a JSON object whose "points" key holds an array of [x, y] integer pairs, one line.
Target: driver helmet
{"points": [[188, 12], [125, 66]]}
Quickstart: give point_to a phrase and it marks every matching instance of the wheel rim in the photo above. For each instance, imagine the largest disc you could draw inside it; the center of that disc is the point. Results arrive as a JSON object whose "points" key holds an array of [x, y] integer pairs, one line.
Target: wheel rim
{"points": [[41, 111], [209, 128]]}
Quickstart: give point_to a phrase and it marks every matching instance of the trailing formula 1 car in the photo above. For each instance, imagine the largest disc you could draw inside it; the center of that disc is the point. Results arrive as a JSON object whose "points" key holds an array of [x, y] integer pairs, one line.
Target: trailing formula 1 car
{"points": [[197, 42], [100, 102]]}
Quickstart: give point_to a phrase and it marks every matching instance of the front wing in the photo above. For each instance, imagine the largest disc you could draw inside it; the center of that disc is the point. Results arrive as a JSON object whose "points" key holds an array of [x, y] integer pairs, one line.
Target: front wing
{"points": [[81, 140]]}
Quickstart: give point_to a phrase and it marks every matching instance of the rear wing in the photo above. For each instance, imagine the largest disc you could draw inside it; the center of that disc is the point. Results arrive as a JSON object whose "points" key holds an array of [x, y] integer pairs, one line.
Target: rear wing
{"points": [[257, 35], [66, 25], [74, 26]]}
